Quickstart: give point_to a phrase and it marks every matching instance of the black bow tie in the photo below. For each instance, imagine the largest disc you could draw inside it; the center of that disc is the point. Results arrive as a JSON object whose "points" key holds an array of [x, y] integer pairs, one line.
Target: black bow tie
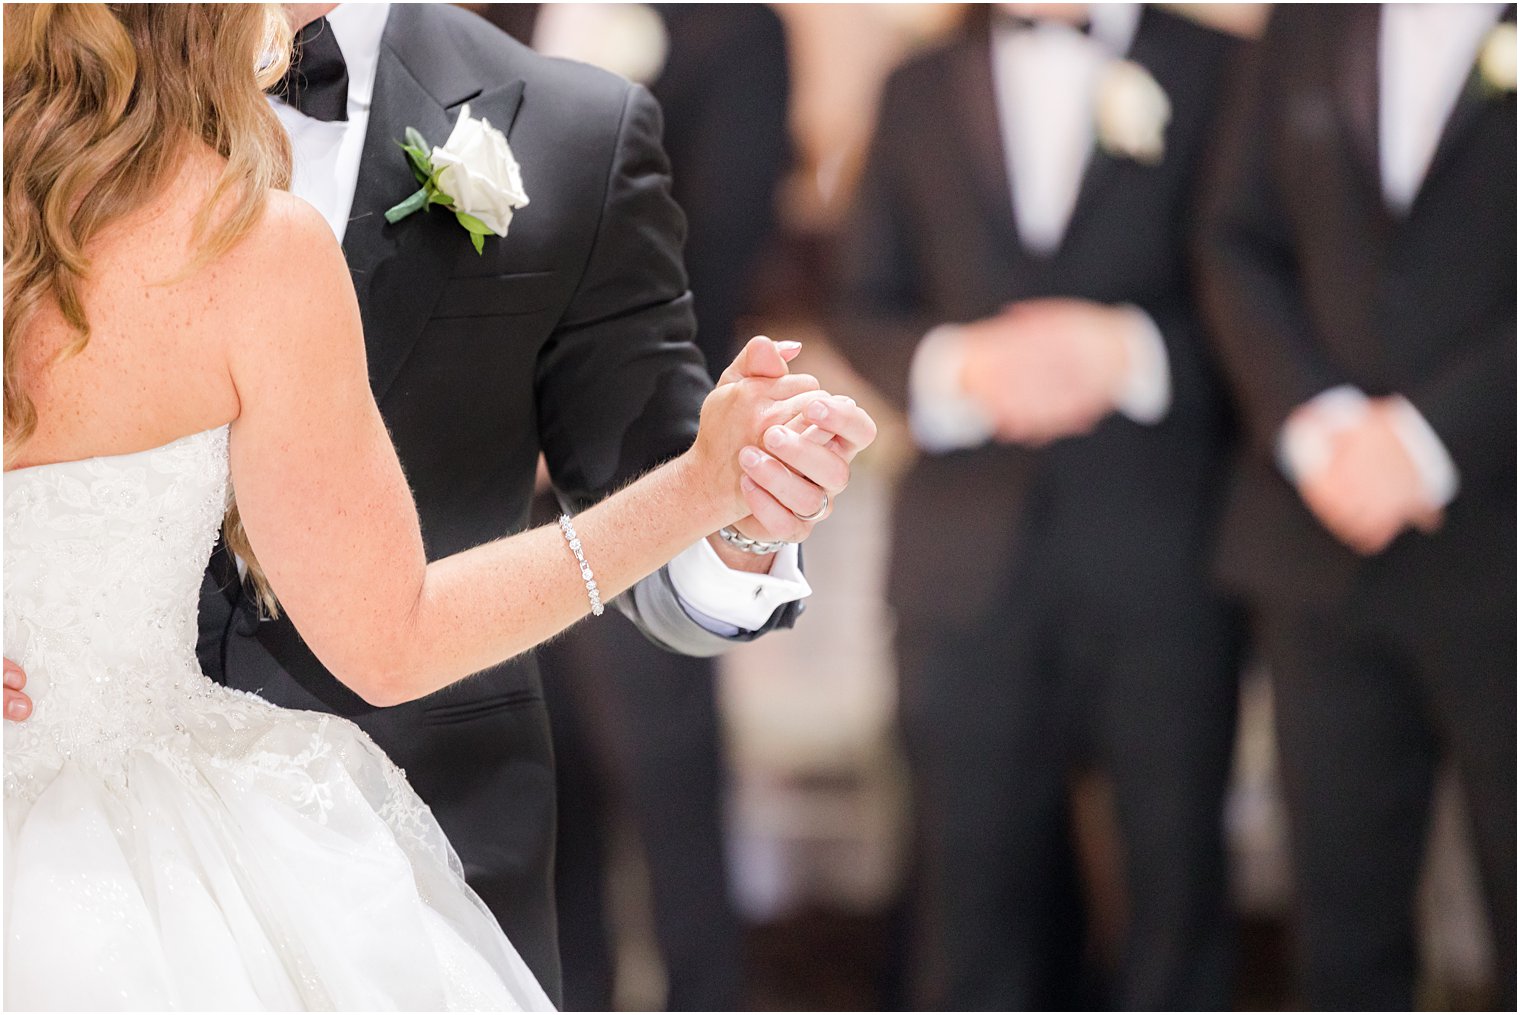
{"points": [[316, 84], [1012, 22]]}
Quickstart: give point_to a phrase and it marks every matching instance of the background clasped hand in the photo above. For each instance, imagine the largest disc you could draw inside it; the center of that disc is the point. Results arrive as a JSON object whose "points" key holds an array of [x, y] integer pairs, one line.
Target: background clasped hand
{"points": [[1369, 491], [798, 458], [1046, 369]]}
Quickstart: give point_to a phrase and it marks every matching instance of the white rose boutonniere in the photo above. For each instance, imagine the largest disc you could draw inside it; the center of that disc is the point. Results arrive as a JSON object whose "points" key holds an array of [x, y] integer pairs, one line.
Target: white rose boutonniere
{"points": [[473, 175], [1132, 113], [1496, 60]]}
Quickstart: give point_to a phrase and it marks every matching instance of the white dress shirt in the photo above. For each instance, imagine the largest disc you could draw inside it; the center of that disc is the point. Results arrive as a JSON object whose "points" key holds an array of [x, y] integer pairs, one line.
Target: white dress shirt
{"points": [[326, 174], [1045, 78], [1425, 59], [1426, 54]]}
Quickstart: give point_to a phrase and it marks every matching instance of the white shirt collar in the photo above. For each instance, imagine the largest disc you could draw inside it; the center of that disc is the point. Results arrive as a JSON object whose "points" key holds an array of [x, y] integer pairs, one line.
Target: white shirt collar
{"points": [[358, 27]]}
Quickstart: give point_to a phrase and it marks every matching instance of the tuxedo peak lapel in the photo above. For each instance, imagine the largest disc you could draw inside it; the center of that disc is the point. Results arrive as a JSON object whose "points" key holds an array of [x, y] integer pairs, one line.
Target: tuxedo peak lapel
{"points": [[1357, 89], [385, 176], [430, 49], [398, 268], [975, 102], [1353, 41]]}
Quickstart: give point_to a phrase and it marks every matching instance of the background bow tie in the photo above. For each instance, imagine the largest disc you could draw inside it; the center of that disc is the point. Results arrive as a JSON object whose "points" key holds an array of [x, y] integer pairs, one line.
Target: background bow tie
{"points": [[316, 84], [1018, 22]]}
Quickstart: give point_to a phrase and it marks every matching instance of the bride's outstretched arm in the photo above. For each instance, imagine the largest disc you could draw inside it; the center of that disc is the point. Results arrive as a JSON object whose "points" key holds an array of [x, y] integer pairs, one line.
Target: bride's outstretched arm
{"points": [[332, 522]]}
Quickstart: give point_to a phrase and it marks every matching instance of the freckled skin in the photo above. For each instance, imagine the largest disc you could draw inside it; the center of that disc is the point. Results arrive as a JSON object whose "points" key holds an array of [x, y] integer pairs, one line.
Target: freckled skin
{"points": [[151, 371]]}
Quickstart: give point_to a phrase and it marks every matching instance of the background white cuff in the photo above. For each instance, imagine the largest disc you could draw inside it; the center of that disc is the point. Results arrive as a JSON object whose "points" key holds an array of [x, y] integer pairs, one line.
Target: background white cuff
{"points": [[1305, 444], [710, 590], [1146, 394], [940, 415], [1438, 473]]}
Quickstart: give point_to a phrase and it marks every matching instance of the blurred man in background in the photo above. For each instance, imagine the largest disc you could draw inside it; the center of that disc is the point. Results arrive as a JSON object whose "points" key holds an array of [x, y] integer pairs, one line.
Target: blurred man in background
{"points": [[1360, 273], [636, 728], [1015, 276]]}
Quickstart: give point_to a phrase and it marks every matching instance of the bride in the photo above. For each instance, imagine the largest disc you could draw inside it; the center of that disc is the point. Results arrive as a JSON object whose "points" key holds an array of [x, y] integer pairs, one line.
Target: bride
{"points": [[176, 327]]}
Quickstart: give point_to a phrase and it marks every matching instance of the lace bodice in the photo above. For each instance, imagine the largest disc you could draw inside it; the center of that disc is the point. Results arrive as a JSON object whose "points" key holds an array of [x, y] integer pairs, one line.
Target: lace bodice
{"points": [[104, 559]]}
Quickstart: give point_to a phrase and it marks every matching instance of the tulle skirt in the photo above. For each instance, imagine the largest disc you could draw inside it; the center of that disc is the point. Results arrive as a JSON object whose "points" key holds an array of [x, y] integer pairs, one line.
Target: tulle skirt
{"points": [[241, 857]]}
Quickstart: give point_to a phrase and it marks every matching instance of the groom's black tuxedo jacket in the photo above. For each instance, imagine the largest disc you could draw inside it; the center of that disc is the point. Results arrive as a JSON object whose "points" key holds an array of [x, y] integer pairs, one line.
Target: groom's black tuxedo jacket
{"points": [[1313, 282], [933, 239], [571, 336]]}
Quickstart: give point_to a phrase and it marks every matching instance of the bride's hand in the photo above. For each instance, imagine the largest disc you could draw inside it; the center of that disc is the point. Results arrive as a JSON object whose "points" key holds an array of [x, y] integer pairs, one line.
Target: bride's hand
{"points": [[755, 393], [17, 705]]}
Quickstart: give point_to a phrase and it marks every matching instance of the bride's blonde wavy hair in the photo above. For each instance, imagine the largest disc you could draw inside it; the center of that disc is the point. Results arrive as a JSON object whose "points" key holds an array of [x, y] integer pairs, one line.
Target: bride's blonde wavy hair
{"points": [[102, 101]]}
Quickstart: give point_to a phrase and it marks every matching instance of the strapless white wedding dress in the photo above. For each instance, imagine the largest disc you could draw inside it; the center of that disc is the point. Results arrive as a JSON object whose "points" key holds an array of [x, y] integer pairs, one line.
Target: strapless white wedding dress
{"points": [[171, 843]]}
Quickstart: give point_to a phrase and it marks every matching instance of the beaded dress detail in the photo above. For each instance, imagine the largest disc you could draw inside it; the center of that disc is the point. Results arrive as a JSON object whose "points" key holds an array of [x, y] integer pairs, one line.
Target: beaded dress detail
{"points": [[171, 843]]}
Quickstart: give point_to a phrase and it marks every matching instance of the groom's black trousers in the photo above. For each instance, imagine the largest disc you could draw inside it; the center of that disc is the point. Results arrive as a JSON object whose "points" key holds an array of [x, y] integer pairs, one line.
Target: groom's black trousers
{"points": [[1065, 671]]}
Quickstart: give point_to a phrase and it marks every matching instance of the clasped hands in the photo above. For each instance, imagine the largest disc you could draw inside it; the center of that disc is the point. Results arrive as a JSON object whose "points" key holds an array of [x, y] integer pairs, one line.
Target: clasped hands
{"points": [[798, 442], [1369, 489], [1046, 369]]}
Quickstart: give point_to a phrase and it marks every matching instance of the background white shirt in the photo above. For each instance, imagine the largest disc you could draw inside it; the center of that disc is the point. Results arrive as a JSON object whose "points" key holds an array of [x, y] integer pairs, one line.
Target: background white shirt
{"points": [[1425, 60]]}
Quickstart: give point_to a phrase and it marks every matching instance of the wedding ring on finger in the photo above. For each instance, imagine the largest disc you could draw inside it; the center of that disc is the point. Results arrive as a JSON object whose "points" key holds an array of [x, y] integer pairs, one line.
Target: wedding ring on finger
{"points": [[816, 516]]}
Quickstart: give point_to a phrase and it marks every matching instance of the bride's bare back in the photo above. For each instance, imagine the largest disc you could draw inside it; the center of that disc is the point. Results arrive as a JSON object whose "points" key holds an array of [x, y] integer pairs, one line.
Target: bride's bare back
{"points": [[156, 365]]}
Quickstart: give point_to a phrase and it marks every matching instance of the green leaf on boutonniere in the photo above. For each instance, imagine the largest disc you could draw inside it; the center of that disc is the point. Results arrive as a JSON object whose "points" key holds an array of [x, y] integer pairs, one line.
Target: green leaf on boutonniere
{"points": [[473, 224], [422, 165], [478, 230], [439, 197]]}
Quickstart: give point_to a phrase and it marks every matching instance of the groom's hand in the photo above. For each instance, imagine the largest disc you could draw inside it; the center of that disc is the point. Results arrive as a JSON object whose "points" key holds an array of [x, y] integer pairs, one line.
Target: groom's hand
{"points": [[17, 705], [761, 357]]}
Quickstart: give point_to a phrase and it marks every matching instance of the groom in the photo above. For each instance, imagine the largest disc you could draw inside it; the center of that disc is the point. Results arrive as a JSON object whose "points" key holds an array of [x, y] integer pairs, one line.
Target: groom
{"points": [[571, 337]]}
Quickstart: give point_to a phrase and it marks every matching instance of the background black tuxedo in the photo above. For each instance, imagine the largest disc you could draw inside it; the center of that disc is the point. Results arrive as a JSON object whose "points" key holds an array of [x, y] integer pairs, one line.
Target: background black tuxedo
{"points": [[1312, 282], [570, 337], [1053, 605]]}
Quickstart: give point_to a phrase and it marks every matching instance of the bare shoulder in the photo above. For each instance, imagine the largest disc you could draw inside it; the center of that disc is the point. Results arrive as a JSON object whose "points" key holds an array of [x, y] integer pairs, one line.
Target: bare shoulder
{"points": [[289, 242], [288, 219], [288, 274]]}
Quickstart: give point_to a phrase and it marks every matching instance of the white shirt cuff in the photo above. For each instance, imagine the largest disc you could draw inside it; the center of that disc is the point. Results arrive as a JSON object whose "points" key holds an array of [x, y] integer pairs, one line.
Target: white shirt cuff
{"points": [[1306, 443], [1438, 473], [726, 601], [940, 414], [1146, 394]]}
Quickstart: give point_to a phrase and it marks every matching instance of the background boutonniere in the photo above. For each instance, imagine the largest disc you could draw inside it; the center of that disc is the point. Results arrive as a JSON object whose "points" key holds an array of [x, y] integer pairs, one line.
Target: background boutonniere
{"points": [[1131, 113], [473, 175], [1496, 60]]}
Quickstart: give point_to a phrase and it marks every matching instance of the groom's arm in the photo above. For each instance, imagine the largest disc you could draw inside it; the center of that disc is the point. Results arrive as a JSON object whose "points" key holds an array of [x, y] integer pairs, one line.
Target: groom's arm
{"points": [[620, 383]]}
